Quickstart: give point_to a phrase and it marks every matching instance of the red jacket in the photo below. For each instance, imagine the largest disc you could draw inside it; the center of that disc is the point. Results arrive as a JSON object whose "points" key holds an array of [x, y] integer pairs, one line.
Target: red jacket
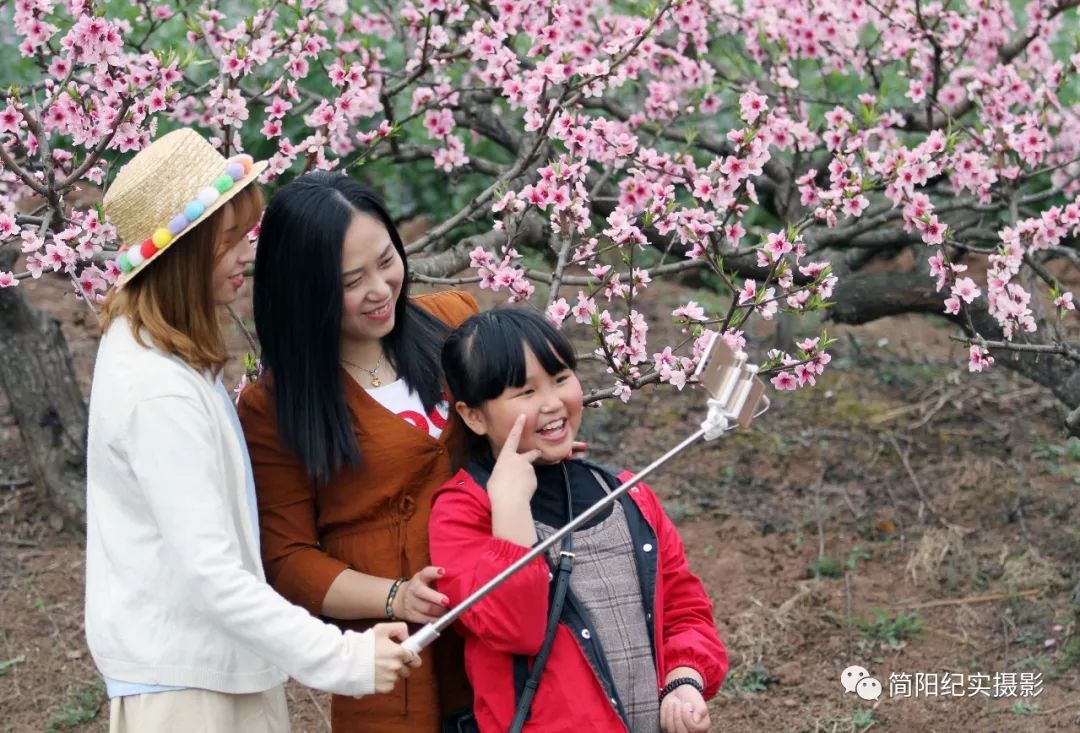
{"points": [[509, 623]]}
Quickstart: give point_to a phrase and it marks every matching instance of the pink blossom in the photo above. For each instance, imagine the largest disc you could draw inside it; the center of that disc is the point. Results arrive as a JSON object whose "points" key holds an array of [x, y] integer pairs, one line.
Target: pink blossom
{"points": [[10, 119], [641, 279], [776, 246], [59, 68], [155, 102], [748, 292], [278, 107], [271, 128], [752, 106], [966, 289], [767, 307], [938, 269], [35, 266], [439, 122], [479, 257], [677, 378], [916, 91], [785, 381], [90, 283], [665, 359], [979, 358], [584, 309], [8, 228], [558, 311], [735, 339], [691, 311], [805, 375], [855, 205], [933, 231], [451, 156], [599, 271], [233, 65]]}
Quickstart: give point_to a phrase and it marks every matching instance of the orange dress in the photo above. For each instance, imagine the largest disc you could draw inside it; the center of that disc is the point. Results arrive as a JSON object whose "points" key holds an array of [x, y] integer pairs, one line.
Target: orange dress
{"points": [[373, 519]]}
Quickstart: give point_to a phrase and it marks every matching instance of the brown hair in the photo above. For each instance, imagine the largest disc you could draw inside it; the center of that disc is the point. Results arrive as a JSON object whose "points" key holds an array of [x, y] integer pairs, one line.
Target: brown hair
{"points": [[172, 299]]}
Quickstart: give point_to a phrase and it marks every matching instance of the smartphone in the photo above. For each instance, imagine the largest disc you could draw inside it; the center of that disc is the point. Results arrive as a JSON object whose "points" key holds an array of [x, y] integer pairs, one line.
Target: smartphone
{"points": [[724, 375]]}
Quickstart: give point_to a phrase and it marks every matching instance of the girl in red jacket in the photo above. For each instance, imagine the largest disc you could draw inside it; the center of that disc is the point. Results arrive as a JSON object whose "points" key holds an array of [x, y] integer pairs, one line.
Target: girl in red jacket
{"points": [[635, 646]]}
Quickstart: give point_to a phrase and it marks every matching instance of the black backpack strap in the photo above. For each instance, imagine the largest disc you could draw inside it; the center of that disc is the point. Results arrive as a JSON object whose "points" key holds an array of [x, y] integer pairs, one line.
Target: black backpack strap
{"points": [[562, 585]]}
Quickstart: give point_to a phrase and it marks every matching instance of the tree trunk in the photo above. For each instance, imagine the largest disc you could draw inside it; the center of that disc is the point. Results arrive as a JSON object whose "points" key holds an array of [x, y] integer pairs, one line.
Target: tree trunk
{"points": [[864, 297], [37, 377]]}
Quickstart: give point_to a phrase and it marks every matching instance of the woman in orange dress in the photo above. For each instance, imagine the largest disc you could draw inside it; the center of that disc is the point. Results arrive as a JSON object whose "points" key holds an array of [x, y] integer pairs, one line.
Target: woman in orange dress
{"points": [[347, 431]]}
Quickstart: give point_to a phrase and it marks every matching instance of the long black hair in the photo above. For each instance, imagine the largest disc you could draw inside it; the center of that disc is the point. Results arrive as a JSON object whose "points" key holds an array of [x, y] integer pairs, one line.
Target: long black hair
{"points": [[298, 301], [485, 356]]}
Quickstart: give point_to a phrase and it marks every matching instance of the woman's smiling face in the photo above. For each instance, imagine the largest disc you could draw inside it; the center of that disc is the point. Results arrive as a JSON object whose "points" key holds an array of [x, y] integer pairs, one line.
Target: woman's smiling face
{"points": [[372, 277], [234, 254]]}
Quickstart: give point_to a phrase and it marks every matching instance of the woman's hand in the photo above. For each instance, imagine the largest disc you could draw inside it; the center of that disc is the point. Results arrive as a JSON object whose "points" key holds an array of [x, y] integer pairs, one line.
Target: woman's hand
{"points": [[393, 662], [684, 711], [417, 601]]}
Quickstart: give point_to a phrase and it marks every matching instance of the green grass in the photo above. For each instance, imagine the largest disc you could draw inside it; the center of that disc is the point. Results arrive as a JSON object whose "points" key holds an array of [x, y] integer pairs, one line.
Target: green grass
{"points": [[825, 567], [832, 567], [1020, 707], [755, 679], [891, 630], [1070, 654], [10, 663], [862, 719], [1059, 458], [80, 708]]}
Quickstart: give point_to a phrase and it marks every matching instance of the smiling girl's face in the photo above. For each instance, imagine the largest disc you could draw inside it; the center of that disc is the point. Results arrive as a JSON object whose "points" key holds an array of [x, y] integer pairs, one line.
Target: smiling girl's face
{"points": [[551, 404]]}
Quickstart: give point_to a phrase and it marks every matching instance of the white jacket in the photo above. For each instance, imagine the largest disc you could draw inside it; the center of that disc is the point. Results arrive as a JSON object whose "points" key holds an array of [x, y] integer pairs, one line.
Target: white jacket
{"points": [[175, 590]]}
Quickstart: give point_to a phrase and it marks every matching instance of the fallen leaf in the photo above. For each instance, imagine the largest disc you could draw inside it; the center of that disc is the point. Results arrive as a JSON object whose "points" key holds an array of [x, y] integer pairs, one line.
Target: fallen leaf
{"points": [[9, 663]]}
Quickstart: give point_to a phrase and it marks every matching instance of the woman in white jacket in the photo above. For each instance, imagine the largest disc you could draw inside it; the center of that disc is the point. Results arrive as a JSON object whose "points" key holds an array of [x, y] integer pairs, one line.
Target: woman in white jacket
{"points": [[179, 618]]}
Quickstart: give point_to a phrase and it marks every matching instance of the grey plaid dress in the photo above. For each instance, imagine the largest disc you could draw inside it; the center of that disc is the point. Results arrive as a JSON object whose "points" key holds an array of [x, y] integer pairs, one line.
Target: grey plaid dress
{"points": [[605, 580]]}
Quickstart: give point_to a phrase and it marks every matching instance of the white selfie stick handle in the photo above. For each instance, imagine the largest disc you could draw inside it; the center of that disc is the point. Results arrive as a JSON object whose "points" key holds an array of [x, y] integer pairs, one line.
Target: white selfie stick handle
{"points": [[421, 639]]}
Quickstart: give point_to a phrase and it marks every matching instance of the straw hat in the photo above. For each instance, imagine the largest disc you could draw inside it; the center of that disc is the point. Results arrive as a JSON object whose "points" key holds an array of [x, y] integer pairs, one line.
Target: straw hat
{"points": [[168, 189]]}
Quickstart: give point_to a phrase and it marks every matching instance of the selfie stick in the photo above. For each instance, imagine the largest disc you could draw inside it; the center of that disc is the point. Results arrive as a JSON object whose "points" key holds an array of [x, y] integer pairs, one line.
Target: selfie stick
{"points": [[735, 391]]}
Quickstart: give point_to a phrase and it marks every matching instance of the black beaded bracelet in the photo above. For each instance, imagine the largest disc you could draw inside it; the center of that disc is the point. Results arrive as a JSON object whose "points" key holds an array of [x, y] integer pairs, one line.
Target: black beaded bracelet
{"points": [[391, 595], [679, 682]]}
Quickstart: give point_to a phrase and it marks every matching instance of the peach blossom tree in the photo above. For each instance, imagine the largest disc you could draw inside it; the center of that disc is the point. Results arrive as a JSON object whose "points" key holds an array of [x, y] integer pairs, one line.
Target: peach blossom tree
{"points": [[569, 153]]}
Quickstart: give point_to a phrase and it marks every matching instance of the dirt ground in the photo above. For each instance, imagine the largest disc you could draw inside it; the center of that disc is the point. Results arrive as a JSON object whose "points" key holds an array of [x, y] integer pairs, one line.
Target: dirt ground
{"points": [[903, 516]]}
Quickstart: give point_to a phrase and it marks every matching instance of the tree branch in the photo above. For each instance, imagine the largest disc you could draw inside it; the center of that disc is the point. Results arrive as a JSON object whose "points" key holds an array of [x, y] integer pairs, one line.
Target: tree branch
{"points": [[865, 297]]}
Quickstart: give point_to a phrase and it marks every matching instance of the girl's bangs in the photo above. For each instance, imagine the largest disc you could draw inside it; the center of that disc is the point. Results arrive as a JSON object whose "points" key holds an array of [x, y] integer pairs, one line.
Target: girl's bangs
{"points": [[499, 351]]}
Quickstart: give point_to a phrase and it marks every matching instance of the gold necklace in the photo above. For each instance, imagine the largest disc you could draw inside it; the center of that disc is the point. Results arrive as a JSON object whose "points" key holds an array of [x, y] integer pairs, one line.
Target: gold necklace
{"points": [[373, 373]]}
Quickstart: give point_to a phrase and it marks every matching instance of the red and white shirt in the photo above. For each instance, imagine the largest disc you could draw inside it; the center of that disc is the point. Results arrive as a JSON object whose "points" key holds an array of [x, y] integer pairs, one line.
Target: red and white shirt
{"points": [[406, 404]]}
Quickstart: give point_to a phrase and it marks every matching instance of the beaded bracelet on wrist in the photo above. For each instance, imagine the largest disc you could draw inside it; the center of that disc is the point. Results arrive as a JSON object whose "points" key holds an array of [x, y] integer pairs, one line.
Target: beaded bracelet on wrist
{"points": [[679, 682], [391, 596]]}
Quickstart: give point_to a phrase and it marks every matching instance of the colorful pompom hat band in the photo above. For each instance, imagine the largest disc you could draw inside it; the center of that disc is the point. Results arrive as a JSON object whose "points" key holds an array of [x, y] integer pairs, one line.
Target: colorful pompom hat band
{"points": [[168, 189]]}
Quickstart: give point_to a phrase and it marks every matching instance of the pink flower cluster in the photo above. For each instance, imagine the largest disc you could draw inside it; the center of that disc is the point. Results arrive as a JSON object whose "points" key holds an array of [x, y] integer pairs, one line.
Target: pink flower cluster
{"points": [[802, 369], [501, 273]]}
